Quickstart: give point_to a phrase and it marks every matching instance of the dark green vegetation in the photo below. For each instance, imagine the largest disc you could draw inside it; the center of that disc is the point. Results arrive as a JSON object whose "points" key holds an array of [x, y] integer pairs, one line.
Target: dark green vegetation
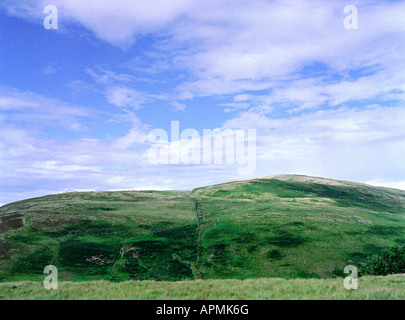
{"points": [[389, 261], [283, 226]]}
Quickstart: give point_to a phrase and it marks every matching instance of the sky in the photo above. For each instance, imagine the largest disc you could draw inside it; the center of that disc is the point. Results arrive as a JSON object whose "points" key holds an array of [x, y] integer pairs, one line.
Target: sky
{"points": [[322, 89]]}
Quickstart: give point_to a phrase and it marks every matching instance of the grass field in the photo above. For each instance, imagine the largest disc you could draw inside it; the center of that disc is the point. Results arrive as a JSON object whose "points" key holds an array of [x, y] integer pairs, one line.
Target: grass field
{"points": [[370, 288], [290, 227]]}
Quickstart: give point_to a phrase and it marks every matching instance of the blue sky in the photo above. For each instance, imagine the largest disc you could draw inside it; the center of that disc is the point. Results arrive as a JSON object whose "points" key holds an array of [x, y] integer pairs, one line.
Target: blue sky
{"points": [[77, 103]]}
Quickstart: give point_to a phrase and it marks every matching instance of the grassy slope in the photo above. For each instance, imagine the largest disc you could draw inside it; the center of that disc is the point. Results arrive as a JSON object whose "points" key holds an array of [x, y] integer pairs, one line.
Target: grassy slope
{"points": [[295, 226], [390, 287], [145, 235], [284, 226]]}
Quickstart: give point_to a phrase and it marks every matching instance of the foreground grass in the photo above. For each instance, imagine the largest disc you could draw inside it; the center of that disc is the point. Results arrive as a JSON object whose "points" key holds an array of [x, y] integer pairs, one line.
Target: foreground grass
{"points": [[374, 288]]}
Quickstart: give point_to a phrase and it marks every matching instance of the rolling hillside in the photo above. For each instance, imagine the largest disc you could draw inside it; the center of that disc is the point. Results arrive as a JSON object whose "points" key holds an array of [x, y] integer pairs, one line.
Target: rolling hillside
{"points": [[281, 226]]}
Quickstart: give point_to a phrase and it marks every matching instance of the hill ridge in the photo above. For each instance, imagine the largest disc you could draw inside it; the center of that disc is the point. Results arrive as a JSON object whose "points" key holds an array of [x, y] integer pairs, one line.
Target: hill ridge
{"points": [[304, 178]]}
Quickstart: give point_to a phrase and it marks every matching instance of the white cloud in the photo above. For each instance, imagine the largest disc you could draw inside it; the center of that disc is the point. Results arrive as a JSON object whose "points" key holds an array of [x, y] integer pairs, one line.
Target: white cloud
{"points": [[272, 40], [362, 145], [388, 184], [32, 109], [117, 22], [105, 76], [352, 144], [14, 103], [49, 69], [235, 46], [178, 106], [125, 97], [133, 138]]}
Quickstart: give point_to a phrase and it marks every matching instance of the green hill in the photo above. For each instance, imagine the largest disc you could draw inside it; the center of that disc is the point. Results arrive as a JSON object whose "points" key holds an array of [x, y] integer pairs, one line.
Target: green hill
{"points": [[282, 226]]}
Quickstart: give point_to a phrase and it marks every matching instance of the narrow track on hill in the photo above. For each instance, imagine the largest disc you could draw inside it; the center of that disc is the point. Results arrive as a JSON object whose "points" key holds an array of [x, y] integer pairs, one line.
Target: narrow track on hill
{"points": [[123, 241], [114, 260], [199, 230], [198, 225]]}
